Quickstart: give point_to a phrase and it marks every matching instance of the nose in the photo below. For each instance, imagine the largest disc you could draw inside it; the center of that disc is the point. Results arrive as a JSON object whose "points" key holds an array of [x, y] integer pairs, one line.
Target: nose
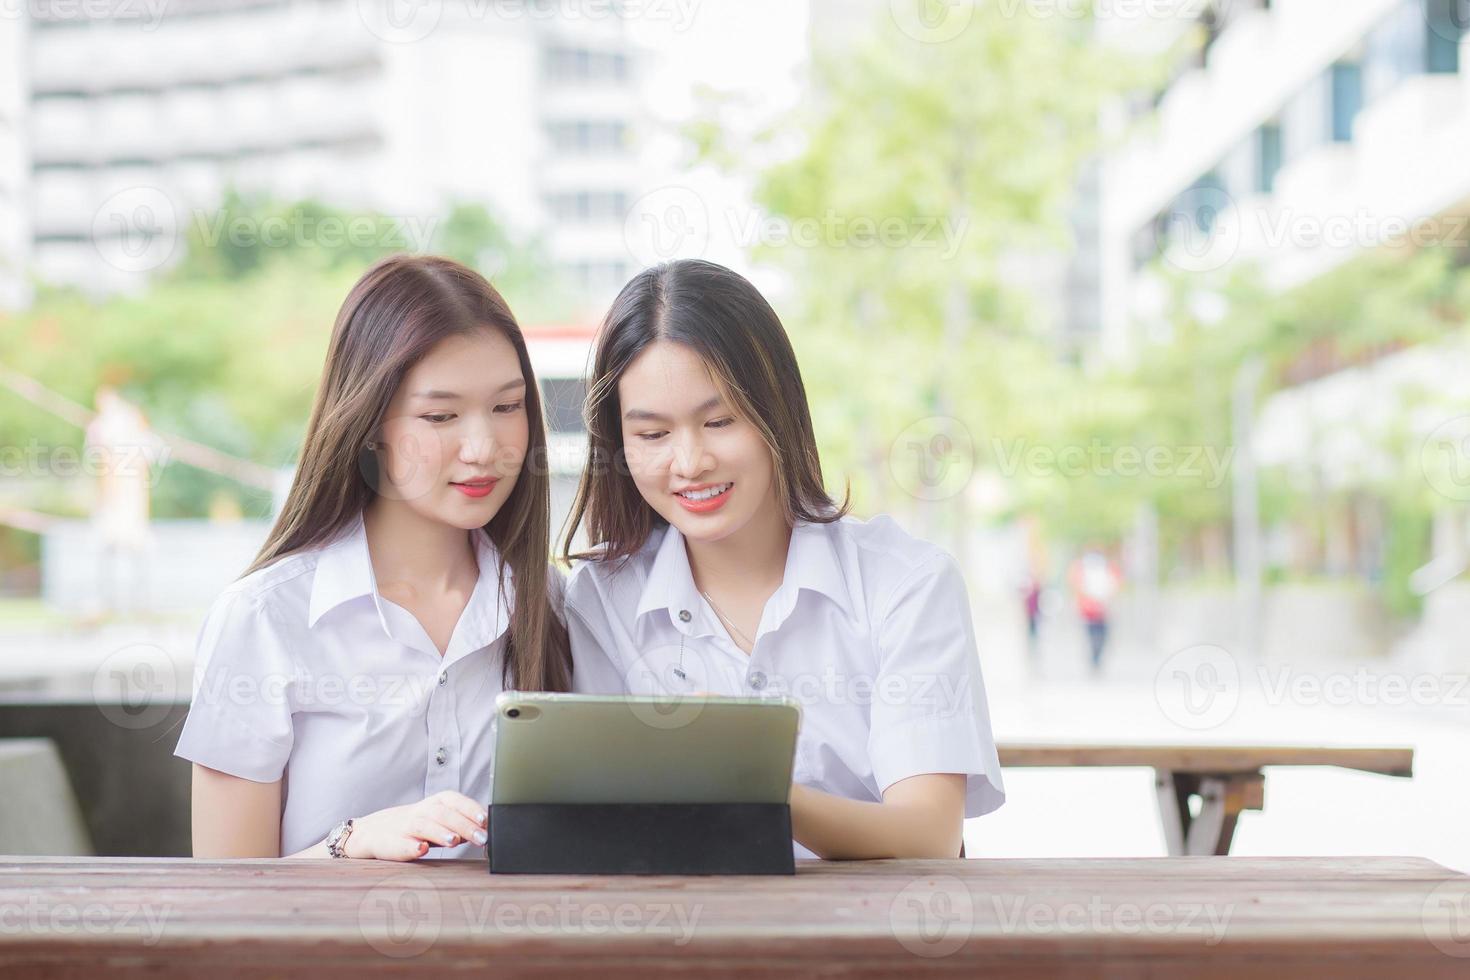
{"points": [[690, 459], [477, 446]]}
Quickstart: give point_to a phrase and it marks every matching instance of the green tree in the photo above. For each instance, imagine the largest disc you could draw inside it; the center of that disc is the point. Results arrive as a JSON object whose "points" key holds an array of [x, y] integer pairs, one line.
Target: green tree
{"points": [[924, 168]]}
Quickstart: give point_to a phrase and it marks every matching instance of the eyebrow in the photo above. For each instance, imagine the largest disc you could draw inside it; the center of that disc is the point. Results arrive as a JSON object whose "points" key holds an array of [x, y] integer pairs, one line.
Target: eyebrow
{"points": [[437, 393], [642, 415]]}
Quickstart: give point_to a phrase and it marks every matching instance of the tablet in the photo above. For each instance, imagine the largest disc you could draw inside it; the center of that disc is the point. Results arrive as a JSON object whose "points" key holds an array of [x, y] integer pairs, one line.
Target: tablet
{"points": [[581, 748]]}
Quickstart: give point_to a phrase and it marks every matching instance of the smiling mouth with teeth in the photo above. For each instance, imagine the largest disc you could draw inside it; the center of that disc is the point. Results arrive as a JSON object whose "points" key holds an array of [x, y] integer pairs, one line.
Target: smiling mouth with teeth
{"points": [[709, 493]]}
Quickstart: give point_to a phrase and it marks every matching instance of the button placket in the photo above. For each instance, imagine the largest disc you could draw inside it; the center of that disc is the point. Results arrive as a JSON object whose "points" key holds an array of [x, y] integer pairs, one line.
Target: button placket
{"points": [[443, 734]]}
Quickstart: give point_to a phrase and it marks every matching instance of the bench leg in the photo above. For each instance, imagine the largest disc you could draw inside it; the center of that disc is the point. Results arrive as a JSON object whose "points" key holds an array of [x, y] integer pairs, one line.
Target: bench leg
{"points": [[1222, 798]]}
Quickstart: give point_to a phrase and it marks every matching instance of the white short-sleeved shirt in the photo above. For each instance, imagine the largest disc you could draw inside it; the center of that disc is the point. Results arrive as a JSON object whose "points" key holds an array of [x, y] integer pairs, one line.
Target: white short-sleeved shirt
{"points": [[304, 672], [870, 630]]}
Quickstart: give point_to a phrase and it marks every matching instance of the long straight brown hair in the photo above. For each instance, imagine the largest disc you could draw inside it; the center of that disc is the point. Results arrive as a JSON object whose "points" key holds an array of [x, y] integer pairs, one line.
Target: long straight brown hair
{"points": [[395, 314], [724, 319]]}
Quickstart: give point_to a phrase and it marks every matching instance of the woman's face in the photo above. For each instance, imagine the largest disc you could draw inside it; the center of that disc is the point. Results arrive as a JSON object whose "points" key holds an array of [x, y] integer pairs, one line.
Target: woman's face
{"points": [[454, 437], [700, 466]]}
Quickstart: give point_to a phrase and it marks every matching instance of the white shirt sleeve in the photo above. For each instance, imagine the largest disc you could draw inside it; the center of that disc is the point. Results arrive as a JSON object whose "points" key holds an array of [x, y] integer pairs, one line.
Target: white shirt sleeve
{"points": [[929, 713], [239, 721], [594, 671]]}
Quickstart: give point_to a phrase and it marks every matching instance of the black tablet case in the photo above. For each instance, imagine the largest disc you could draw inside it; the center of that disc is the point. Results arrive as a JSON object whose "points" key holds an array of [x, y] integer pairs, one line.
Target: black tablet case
{"points": [[641, 839]]}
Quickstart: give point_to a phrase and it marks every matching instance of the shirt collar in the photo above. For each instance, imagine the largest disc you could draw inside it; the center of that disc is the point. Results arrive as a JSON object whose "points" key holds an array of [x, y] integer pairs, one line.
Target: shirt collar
{"points": [[670, 583], [812, 563], [344, 572]]}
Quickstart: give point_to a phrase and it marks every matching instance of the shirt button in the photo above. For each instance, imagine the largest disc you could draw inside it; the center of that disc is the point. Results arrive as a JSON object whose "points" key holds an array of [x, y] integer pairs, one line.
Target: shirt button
{"points": [[757, 681], [684, 616], [443, 676], [441, 756]]}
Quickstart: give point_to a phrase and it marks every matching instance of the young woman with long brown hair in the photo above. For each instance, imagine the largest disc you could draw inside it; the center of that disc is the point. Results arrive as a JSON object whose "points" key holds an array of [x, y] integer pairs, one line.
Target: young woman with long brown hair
{"points": [[720, 565], [344, 686]]}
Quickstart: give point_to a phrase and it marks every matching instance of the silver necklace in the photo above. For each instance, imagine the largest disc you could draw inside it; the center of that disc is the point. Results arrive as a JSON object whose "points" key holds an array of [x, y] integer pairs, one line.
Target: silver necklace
{"points": [[727, 620]]}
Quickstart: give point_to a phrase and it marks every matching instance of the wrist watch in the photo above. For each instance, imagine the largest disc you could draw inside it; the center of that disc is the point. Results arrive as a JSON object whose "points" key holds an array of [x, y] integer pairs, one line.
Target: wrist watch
{"points": [[337, 839]]}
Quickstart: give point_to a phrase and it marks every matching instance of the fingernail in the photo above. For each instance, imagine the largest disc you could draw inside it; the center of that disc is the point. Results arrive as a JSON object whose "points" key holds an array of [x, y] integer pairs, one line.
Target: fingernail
{"points": [[481, 817], [449, 841], [480, 837]]}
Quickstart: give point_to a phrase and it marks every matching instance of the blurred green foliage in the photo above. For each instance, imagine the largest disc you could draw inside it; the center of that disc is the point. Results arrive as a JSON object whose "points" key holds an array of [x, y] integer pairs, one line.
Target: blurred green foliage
{"points": [[227, 347], [989, 132]]}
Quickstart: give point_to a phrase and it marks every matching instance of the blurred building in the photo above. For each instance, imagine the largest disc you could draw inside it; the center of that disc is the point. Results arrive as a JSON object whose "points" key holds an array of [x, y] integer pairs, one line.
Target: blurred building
{"points": [[139, 123], [15, 238], [560, 354], [1301, 134]]}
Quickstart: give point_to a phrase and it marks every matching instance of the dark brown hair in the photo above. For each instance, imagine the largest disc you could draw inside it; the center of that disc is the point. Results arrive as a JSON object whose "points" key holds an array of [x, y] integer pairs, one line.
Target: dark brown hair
{"points": [[398, 311], [725, 320]]}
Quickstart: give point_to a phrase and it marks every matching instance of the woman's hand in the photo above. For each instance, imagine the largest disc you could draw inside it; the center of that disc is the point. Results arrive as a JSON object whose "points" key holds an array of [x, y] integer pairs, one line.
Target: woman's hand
{"points": [[405, 833]]}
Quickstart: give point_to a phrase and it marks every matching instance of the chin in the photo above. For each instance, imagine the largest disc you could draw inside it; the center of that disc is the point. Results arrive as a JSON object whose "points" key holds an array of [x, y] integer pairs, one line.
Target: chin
{"points": [[464, 522], [456, 514], [695, 528]]}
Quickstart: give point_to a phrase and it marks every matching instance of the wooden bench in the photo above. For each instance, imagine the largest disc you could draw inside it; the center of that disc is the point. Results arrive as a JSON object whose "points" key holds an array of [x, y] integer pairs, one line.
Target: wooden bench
{"points": [[1236, 918], [1227, 778]]}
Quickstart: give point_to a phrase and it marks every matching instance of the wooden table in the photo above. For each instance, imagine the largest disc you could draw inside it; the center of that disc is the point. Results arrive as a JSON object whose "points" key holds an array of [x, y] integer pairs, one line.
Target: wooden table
{"points": [[1227, 779], [1193, 916]]}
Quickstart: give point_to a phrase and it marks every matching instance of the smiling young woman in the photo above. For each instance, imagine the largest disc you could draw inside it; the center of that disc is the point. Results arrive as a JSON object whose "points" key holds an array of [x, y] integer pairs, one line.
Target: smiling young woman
{"points": [[719, 564], [344, 686]]}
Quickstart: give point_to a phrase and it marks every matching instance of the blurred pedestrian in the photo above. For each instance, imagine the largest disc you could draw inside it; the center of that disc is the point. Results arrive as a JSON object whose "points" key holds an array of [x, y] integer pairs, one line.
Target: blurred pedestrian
{"points": [[1031, 596], [1095, 580]]}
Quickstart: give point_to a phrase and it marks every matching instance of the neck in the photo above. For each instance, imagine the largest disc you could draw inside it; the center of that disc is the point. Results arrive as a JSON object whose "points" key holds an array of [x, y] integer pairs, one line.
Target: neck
{"points": [[408, 549], [754, 556]]}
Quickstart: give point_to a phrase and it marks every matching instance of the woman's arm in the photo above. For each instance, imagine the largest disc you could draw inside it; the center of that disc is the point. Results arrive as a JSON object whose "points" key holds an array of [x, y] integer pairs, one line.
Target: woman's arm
{"points": [[234, 817], [240, 818], [920, 817]]}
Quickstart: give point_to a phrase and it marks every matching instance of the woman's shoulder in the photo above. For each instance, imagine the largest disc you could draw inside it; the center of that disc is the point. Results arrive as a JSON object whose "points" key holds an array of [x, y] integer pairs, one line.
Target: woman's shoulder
{"points": [[881, 547], [280, 590], [595, 575]]}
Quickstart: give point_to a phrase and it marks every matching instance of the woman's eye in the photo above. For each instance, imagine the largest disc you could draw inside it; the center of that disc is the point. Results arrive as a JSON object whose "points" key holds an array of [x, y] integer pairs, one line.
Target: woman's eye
{"points": [[651, 436], [509, 408], [436, 419], [720, 423]]}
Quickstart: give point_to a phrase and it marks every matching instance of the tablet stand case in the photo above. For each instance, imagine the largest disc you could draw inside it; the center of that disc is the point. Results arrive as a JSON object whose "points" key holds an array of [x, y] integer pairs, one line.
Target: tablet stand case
{"points": [[641, 839]]}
